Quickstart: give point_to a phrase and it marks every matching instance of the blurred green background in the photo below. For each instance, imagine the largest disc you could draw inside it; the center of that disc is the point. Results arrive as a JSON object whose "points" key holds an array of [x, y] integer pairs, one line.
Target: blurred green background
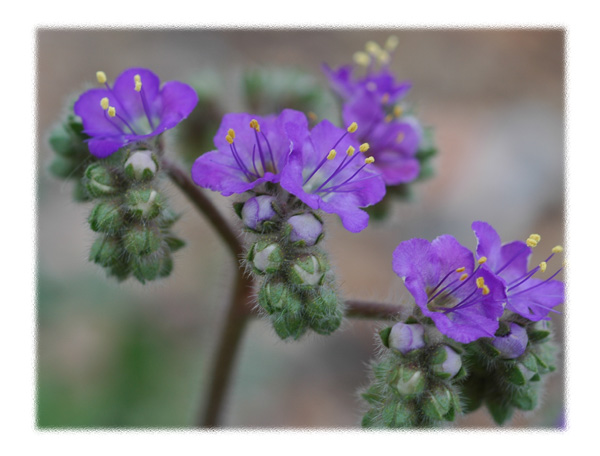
{"points": [[127, 355]]}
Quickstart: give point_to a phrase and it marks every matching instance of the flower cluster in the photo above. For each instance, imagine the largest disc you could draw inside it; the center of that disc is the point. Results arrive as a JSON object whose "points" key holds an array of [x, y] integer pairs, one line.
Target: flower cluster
{"points": [[375, 100]]}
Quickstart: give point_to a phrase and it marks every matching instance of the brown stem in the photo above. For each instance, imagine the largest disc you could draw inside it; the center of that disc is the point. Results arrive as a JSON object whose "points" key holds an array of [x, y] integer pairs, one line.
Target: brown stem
{"points": [[377, 310]]}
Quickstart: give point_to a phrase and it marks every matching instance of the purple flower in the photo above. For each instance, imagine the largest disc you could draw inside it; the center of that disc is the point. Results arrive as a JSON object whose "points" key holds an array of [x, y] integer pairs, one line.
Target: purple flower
{"points": [[464, 302], [134, 109], [527, 296], [251, 150], [335, 182], [513, 344]]}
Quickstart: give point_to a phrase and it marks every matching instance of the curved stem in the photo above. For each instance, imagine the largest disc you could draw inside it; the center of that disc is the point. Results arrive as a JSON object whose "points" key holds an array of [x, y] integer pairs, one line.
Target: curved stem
{"points": [[375, 310]]}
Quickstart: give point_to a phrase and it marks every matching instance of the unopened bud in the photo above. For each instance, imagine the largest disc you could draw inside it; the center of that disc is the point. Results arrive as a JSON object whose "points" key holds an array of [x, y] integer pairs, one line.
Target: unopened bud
{"points": [[290, 322], [141, 240], [266, 257], [446, 362], [143, 203], [513, 344], [147, 267], [410, 382], [437, 402], [258, 210], [100, 181], [305, 228], [538, 331], [106, 217], [406, 338], [324, 310], [308, 271], [105, 251], [273, 295], [141, 165]]}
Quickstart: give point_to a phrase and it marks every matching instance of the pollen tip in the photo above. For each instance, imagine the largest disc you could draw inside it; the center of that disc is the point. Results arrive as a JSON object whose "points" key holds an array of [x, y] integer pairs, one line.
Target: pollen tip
{"points": [[353, 127], [364, 147], [369, 160], [104, 103], [557, 249], [482, 260], [398, 110], [362, 58], [312, 116], [350, 151], [331, 155], [480, 282], [391, 43], [543, 266], [531, 242], [231, 132], [463, 277], [485, 290], [229, 139], [254, 124], [383, 56], [137, 78], [112, 112], [535, 237], [461, 269], [101, 77], [138, 86], [372, 48]]}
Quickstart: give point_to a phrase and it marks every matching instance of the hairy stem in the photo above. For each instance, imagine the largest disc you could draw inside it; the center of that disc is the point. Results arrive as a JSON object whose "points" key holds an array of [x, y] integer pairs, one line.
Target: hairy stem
{"points": [[376, 310]]}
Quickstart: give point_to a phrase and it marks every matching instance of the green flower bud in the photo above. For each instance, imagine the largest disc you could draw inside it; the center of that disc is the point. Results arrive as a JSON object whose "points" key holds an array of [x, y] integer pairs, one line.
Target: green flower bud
{"points": [[308, 271], [146, 267], [397, 414], [105, 251], [100, 181], [142, 240], [63, 167], [141, 165], [410, 382], [526, 397], [60, 141], [106, 217], [143, 203], [273, 296], [437, 402], [324, 311], [290, 322], [266, 257]]}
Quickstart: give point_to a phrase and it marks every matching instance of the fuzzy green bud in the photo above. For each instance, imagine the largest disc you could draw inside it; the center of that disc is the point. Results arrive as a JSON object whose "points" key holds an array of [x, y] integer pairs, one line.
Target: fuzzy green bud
{"points": [[105, 251], [411, 382], [273, 296], [143, 203], [142, 240], [106, 217], [147, 267], [141, 166], [266, 257], [324, 310], [308, 271], [290, 322], [437, 403], [100, 181]]}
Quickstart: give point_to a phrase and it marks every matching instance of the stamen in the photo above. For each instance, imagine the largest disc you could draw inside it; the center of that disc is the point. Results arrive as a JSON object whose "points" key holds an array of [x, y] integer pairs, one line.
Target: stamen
{"points": [[332, 154], [350, 151], [398, 110], [463, 277], [391, 43], [462, 269], [485, 291], [112, 112], [353, 127], [137, 78], [104, 103], [229, 139], [335, 187], [362, 58], [364, 147], [480, 282], [138, 86], [543, 266], [312, 116], [255, 125], [369, 160], [538, 285], [482, 260], [535, 237], [101, 77], [557, 249], [270, 151], [327, 157], [531, 242], [372, 48], [231, 133], [383, 57]]}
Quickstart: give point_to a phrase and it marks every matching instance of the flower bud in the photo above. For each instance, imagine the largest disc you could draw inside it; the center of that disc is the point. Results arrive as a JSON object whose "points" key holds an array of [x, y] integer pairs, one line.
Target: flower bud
{"points": [[437, 403], [146, 267], [100, 181], [308, 271], [257, 211], [538, 331], [106, 217], [141, 166], [143, 203], [266, 257], [324, 311], [513, 344], [105, 251], [405, 338], [290, 322], [446, 362], [410, 382], [305, 228], [141, 240], [397, 414], [273, 296]]}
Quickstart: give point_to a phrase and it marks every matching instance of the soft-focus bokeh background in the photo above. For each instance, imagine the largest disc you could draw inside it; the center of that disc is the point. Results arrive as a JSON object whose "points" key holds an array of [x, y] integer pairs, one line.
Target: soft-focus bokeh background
{"points": [[127, 355]]}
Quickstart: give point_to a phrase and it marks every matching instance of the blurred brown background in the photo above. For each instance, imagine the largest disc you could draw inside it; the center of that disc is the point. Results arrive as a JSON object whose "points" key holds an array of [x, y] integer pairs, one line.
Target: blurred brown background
{"points": [[128, 355]]}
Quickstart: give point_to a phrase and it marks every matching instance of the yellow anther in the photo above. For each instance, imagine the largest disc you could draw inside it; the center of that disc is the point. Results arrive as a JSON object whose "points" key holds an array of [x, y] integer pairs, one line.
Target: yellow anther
{"points": [[137, 78], [362, 58], [254, 124], [112, 111], [485, 290], [332, 154], [101, 77], [350, 151], [535, 237], [480, 282], [400, 137], [383, 56], [229, 139], [104, 103], [138, 86], [385, 98], [557, 249], [364, 147], [389, 118], [543, 266], [312, 116], [463, 277], [461, 269], [369, 160], [372, 48], [391, 43], [482, 260], [353, 127], [398, 110], [231, 133], [531, 242]]}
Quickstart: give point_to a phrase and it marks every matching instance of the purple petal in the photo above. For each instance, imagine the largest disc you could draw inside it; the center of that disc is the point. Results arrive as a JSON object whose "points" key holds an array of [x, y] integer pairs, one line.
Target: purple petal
{"points": [[103, 147], [488, 244], [536, 303], [130, 99], [417, 262], [452, 255], [178, 100], [95, 120]]}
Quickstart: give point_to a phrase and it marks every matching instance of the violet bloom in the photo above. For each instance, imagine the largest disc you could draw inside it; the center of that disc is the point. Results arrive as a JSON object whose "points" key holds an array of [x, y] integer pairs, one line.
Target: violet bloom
{"points": [[464, 302], [134, 109], [513, 344], [527, 296], [251, 150], [335, 182]]}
